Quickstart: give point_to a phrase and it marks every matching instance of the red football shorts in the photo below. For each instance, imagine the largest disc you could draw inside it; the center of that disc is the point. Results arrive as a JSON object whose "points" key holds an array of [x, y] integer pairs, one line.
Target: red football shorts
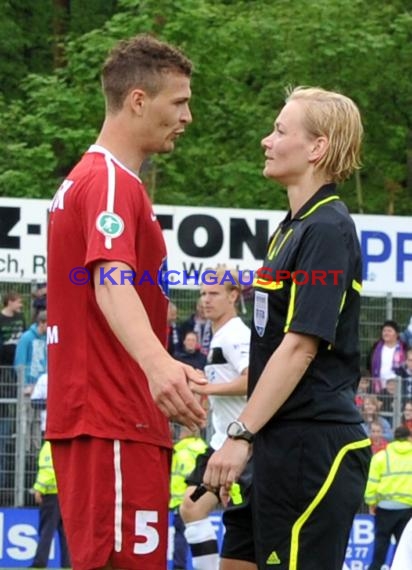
{"points": [[114, 500]]}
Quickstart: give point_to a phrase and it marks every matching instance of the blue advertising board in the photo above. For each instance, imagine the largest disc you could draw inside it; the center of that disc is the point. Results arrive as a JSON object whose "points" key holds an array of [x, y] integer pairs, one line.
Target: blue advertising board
{"points": [[18, 540]]}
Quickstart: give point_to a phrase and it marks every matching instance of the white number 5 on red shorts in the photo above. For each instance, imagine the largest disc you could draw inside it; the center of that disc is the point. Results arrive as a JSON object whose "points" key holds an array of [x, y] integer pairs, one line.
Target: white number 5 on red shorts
{"points": [[114, 500]]}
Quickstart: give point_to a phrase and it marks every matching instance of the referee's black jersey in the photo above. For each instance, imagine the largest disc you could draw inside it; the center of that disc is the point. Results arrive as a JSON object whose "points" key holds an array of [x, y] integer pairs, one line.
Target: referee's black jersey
{"points": [[319, 249]]}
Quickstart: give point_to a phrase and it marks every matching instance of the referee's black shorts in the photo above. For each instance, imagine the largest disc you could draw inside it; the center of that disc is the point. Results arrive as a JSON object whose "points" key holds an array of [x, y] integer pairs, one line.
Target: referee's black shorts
{"points": [[238, 543], [308, 483]]}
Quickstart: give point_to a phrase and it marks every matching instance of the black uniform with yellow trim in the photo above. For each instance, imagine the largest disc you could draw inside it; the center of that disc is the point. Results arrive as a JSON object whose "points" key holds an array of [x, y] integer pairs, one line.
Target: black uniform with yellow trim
{"points": [[311, 459]]}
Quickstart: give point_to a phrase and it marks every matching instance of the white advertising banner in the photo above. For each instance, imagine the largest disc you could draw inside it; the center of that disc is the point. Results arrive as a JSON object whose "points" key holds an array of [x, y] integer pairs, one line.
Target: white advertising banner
{"points": [[201, 238], [23, 231]]}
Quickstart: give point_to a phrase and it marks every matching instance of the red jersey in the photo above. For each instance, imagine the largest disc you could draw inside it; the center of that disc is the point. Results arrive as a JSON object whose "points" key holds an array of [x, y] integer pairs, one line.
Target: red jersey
{"points": [[100, 213]]}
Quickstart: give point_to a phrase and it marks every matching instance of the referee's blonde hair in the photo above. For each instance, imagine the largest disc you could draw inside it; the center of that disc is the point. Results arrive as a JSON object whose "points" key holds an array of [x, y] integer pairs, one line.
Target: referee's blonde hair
{"points": [[336, 117]]}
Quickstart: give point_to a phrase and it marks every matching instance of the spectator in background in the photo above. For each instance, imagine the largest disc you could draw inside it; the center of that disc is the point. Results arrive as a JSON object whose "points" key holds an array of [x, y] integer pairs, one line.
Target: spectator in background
{"points": [[376, 437], [39, 299], [38, 401], [405, 373], [386, 399], [185, 452], [370, 413], [406, 336], [198, 323], [389, 493], [407, 415], [174, 335], [45, 495], [191, 354], [12, 325], [364, 388], [31, 352], [388, 353]]}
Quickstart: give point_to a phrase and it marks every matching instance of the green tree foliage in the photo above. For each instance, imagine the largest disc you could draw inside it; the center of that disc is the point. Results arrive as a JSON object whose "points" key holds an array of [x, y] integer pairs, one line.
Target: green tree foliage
{"points": [[28, 34], [245, 54], [24, 41]]}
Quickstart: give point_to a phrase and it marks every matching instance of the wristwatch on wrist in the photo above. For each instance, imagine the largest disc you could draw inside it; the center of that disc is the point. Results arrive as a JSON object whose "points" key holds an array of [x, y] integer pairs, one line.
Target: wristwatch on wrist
{"points": [[238, 430]]}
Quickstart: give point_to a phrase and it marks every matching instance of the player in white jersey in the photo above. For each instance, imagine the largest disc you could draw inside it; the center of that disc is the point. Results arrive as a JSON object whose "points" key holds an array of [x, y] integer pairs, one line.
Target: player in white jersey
{"points": [[226, 372]]}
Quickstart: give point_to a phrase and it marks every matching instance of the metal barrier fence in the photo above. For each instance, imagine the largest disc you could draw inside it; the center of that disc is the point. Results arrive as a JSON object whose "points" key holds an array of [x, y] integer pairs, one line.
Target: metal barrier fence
{"points": [[20, 439], [374, 309], [21, 431]]}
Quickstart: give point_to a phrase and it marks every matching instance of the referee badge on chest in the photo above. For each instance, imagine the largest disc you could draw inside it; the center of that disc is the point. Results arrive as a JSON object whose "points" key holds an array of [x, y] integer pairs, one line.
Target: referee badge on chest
{"points": [[260, 313]]}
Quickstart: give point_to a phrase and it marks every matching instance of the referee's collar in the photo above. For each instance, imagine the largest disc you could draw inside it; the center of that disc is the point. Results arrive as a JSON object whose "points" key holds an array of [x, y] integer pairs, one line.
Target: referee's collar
{"points": [[324, 195]]}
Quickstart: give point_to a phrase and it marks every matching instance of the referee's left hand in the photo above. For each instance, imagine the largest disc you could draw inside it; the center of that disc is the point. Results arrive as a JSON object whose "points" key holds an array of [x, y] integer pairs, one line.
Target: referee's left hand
{"points": [[225, 466]]}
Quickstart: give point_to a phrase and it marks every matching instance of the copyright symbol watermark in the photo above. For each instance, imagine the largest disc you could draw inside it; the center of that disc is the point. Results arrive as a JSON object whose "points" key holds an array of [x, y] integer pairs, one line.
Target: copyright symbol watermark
{"points": [[79, 276]]}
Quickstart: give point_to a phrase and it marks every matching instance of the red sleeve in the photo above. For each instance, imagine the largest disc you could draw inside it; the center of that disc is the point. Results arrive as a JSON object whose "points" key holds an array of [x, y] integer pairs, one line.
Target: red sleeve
{"points": [[111, 206]]}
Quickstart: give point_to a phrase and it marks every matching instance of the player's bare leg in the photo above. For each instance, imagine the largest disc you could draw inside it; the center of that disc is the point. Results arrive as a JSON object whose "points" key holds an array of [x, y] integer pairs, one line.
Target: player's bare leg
{"points": [[199, 533]]}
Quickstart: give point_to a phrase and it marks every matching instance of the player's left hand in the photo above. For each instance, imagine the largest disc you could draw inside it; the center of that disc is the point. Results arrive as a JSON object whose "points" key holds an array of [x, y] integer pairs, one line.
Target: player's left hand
{"points": [[225, 466]]}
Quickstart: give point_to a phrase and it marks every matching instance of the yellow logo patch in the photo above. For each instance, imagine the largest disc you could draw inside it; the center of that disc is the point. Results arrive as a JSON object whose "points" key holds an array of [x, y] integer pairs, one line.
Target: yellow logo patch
{"points": [[273, 558]]}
